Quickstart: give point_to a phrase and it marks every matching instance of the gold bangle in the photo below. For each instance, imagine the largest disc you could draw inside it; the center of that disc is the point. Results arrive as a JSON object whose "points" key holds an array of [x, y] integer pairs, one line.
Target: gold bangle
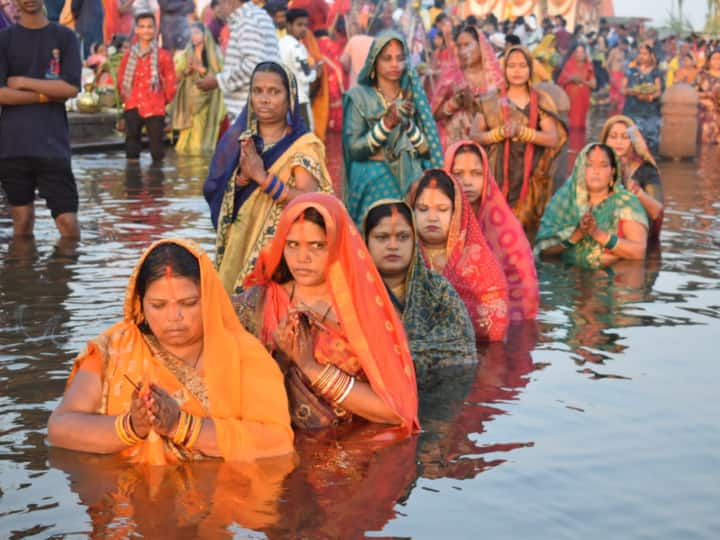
{"points": [[121, 431], [346, 393], [324, 386], [182, 428], [322, 374], [42, 98], [194, 433]]}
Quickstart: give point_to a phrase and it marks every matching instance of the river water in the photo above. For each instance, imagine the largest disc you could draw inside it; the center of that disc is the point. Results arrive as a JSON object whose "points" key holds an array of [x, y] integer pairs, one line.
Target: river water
{"points": [[602, 421]]}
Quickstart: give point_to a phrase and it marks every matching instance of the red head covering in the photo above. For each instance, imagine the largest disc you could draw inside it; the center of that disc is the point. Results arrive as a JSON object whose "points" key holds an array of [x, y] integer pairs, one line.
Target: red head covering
{"points": [[506, 238], [360, 299], [472, 268]]}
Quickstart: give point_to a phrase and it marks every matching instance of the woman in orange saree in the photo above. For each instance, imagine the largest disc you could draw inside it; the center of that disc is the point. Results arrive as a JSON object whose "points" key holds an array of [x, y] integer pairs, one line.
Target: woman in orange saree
{"points": [[453, 245], [468, 162], [178, 378], [317, 301]]}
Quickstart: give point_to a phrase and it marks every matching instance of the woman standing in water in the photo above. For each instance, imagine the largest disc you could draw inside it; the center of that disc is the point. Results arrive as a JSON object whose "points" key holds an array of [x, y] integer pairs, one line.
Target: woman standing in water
{"points": [[454, 246], [578, 80], [642, 88], [179, 378], [316, 300], [707, 83], [266, 159], [389, 135], [197, 114], [523, 135], [456, 99], [468, 163], [437, 323], [639, 170], [593, 220]]}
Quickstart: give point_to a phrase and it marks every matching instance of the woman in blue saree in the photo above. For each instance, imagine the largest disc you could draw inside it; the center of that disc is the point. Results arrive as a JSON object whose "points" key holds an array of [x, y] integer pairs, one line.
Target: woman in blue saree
{"points": [[389, 135], [267, 158]]}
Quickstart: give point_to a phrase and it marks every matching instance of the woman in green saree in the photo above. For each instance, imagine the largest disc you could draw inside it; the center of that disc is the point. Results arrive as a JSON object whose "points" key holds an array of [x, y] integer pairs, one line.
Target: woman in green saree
{"points": [[197, 115], [593, 220], [389, 135], [436, 321]]}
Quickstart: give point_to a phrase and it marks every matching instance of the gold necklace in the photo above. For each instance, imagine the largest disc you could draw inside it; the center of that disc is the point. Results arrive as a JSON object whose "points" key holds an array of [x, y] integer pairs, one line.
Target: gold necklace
{"points": [[386, 102], [267, 142], [432, 253]]}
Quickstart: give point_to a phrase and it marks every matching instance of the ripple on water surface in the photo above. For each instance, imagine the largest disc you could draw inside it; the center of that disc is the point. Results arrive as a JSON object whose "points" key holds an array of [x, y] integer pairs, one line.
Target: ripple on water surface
{"points": [[599, 421]]}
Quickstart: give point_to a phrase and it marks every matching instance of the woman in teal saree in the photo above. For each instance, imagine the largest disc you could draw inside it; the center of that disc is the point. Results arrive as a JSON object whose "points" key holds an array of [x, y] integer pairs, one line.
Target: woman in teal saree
{"points": [[593, 220], [389, 135]]}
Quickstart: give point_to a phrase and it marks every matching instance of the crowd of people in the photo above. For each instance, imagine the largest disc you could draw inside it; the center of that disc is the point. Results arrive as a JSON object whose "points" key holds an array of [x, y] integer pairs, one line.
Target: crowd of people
{"points": [[326, 302]]}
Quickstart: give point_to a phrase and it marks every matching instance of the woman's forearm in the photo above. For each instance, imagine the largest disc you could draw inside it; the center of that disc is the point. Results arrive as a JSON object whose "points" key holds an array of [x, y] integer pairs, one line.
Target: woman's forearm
{"points": [[364, 402], [652, 206], [85, 432]]}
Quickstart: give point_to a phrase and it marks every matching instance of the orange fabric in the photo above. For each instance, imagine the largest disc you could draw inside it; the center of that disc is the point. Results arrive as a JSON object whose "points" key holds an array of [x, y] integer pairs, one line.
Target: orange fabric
{"points": [[366, 315], [321, 101], [330, 347], [245, 388]]}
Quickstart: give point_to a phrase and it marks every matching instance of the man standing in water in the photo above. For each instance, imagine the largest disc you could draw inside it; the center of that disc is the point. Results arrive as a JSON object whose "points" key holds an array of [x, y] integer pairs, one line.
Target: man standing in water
{"points": [[34, 136]]}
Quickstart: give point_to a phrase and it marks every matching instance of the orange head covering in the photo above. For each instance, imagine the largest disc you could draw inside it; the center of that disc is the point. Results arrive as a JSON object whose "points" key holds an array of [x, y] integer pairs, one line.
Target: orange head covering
{"points": [[245, 391], [360, 299]]}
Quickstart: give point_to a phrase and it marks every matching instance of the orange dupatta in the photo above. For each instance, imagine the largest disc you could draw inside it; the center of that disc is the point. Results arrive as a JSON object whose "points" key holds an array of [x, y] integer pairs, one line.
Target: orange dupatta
{"points": [[365, 312], [245, 393]]}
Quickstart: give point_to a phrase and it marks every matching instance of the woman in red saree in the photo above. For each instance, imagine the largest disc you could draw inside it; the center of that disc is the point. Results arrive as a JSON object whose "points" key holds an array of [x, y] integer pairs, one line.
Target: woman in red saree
{"points": [[118, 19], [331, 50], [453, 245], [319, 304], [468, 163], [179, 378], [578, 80]]}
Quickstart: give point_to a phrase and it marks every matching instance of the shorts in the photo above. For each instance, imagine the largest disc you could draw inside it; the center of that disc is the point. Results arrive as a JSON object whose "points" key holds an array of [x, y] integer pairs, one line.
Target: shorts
{"points": [[52, 178]]}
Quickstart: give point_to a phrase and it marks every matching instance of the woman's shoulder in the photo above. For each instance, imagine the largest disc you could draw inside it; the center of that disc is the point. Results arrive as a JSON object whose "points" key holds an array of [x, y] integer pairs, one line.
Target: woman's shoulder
{"points": [[361, 93], [647, 173]]}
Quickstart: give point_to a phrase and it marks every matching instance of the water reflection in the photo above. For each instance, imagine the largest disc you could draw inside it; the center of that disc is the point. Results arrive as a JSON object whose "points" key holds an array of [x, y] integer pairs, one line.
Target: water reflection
{"points": [[201, 500], [347, 483], [456, 408], [54, 297], [34, 289]]}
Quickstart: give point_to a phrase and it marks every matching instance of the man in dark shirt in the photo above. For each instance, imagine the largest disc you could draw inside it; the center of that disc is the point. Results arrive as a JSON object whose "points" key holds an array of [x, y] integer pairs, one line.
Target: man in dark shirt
{"points": [[39, 70]]}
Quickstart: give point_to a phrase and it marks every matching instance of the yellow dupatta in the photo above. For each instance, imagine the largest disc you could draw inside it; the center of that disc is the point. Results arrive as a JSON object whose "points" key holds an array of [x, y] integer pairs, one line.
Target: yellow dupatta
{"points": [[256, 220]]}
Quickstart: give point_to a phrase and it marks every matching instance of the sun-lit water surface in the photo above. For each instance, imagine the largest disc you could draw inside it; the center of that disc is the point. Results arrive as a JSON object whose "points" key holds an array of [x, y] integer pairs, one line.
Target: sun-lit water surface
{"points": [[601, 421]]}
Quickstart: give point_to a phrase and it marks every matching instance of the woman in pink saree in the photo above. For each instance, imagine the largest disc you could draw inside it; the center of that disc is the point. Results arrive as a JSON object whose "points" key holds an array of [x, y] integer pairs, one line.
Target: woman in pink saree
{"points": [[468, 162], [456, 100]]}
